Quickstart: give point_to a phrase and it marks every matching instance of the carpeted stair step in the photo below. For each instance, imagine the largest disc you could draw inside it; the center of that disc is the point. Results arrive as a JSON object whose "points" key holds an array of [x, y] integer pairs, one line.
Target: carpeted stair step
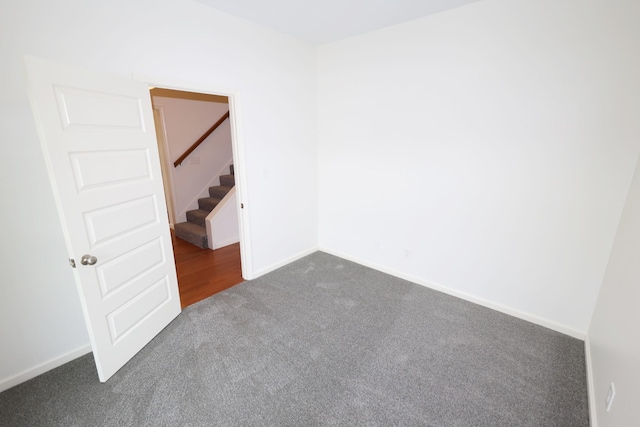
{"points": [[192, 233], [197, 216], [208, 203], [219, 191], [227, 180]]}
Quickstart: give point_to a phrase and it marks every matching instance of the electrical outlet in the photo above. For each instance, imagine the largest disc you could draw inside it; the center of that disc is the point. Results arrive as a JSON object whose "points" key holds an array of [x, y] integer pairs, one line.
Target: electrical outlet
{"points": [[195, 160], [406, 254], [610, 395], [376, 245]]}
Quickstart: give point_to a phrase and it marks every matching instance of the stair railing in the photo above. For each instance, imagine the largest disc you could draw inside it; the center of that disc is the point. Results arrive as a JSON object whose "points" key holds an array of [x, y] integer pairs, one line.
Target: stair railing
{"points": [[200, 140]]}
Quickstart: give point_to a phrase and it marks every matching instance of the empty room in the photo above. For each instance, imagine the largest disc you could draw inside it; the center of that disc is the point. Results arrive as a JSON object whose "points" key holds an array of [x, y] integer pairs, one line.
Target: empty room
{"points": [[438, 207]]}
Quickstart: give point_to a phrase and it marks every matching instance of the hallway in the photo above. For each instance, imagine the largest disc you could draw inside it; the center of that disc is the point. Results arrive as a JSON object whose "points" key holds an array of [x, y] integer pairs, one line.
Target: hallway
{"points": [[203, 272]]}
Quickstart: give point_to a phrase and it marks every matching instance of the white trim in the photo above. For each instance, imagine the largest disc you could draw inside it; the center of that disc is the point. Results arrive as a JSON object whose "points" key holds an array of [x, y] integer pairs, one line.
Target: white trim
{"points": [[40, 369], [283, 262], [242, 199], [463, 295], [591, 391], [165, 162], [237, 144]]}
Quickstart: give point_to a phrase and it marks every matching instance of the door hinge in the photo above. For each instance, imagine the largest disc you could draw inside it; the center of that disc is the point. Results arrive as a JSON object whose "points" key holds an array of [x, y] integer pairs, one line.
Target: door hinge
{"points": [[72, 262]]}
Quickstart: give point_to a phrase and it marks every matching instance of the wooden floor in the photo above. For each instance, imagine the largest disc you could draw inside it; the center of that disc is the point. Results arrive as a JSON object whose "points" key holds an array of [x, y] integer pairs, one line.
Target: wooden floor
{"points": [[203, 272]]}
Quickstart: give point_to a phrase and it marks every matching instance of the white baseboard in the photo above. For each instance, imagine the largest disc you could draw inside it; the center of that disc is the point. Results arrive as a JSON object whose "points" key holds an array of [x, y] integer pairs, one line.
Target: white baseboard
{"points": [[282, 263], [591, 391], [30, 373], [462, 295]]}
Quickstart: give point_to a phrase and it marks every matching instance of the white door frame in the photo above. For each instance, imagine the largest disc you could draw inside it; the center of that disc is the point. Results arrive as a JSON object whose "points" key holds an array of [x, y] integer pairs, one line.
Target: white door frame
{"points": [[238, 148], [167, 172]]}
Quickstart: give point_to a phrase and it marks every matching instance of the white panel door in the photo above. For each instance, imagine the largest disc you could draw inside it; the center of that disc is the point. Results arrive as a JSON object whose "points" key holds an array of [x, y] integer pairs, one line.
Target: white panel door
{"points": [[98, 137]]}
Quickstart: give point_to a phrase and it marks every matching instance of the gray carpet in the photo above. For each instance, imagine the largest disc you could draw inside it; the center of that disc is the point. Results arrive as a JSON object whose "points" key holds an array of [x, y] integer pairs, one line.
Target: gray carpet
{"points": [[324, 341]]}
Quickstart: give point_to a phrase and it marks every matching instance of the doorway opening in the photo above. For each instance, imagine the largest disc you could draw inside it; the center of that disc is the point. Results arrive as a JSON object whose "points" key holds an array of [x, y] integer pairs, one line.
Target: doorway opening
{"points": [[202, 214]]}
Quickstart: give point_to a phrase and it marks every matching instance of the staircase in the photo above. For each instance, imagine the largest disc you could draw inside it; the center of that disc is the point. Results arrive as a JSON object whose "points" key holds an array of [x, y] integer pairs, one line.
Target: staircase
{"points": [[194, 230]]}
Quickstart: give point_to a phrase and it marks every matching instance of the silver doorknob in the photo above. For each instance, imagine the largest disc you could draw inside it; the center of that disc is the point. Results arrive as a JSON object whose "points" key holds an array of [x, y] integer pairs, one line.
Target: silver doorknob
{"points": [[88, 260]]}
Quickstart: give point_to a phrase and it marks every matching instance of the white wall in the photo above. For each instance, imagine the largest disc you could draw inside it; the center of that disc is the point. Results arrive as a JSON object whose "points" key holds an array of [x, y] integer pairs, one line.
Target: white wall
{"points": [[222, 222], [185, 121], [486, 150], [613, 334], [273, 80]]}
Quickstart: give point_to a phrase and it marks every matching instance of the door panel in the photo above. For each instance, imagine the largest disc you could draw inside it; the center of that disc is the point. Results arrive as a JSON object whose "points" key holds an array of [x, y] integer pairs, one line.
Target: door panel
{"points": [[98, 138], [92, 109], [93, 170]]}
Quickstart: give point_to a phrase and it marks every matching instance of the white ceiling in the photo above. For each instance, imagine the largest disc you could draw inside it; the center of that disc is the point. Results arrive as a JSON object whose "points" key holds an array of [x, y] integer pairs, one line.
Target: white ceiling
{"points": [[323, 21]]}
